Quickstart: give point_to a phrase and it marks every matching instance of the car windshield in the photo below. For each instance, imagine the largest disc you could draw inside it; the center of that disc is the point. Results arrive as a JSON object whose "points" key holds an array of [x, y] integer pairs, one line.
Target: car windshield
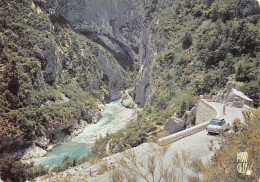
{"points": [[218, 123]]}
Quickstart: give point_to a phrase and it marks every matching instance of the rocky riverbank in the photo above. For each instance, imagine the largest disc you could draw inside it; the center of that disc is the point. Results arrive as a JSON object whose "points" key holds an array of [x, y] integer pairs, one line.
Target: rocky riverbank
{"points": [[121, 116], [127, 112], [42, 145]]}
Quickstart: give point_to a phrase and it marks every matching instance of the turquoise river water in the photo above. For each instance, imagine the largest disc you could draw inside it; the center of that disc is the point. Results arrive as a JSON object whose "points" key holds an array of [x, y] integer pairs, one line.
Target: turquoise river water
{"points": [[81, 144]]}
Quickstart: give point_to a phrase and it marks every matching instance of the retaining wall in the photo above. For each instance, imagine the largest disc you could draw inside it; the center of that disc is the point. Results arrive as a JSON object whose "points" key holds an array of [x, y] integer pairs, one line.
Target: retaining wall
{"points": [[205, 113]]}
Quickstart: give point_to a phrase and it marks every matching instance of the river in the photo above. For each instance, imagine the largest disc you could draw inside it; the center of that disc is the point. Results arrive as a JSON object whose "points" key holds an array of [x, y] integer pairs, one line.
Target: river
{"points": [[81, 144]]}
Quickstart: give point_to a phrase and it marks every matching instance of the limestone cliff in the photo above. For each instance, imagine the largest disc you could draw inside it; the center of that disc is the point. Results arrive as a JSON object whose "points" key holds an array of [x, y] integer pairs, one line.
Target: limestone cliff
{"points": [[44, 60], [119, 26]]}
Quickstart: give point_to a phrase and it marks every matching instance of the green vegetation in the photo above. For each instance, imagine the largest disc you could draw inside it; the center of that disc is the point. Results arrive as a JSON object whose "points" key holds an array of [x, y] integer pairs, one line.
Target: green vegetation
{"points": [[31, 105], [134, 134], [13, 170], [209, 44]]}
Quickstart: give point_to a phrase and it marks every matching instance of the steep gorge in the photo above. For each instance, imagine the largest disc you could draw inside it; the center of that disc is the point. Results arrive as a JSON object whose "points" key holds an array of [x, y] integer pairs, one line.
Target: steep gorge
{"points": [[121, 27], [62, 60], [87, 51]]}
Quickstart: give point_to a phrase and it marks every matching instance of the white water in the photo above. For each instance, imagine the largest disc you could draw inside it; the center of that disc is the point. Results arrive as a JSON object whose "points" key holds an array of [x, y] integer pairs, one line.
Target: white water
{"points": [[81, 144], [89, 133]]}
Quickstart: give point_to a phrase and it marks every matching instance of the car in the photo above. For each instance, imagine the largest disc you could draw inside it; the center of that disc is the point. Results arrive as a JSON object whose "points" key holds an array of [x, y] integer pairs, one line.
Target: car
{"points": [[217, 126]]}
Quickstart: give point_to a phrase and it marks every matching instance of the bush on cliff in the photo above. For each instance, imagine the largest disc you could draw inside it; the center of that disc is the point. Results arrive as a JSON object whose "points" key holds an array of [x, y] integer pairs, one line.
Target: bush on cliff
{"points": [[209, 43]]}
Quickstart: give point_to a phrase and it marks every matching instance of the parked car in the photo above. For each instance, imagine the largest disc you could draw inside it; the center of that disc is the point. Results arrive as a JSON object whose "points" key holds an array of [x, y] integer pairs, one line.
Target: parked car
{"points": [[217, 126]]}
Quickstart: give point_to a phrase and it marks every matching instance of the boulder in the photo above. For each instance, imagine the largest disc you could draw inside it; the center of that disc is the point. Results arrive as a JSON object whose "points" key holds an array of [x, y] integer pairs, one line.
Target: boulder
{"points": [[206, 23], [193, 111], [127, 101], [174, 125], [42, 142]]}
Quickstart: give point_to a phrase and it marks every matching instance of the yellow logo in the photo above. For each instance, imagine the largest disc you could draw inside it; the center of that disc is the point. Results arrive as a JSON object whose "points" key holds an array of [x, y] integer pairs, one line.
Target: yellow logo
{"points": [[242, 166]]}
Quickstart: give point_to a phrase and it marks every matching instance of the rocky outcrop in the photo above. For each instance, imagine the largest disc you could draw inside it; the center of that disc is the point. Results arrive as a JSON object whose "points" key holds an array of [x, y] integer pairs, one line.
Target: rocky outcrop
{"points": [[143, 88], [190, 116], [53, 67], [235, 98], [174, 125], [232, 96], [91, 116], [42, 142], [33, 152], [230, 85], [235, 101]]}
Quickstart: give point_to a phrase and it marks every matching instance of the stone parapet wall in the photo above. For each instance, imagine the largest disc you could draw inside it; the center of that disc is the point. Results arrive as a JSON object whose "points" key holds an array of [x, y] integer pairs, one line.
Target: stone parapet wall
{"points": [[182, 134], [205, 112]]}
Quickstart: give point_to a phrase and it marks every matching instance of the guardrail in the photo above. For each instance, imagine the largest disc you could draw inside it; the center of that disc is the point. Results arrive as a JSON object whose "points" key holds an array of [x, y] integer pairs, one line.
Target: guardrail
{"points": [[182, 134]]}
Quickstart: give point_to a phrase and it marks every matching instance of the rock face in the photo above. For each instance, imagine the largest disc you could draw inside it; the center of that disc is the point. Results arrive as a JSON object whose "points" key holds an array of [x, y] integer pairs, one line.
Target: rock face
{"points": [[53, 67], [235, 102], [59, 60], [233, 97], [111, 74], [120, 27]]}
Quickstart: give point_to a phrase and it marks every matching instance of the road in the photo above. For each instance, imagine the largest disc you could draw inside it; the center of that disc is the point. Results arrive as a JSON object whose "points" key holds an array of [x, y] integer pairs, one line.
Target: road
{"points": [[198, 144], [231, 112]]}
